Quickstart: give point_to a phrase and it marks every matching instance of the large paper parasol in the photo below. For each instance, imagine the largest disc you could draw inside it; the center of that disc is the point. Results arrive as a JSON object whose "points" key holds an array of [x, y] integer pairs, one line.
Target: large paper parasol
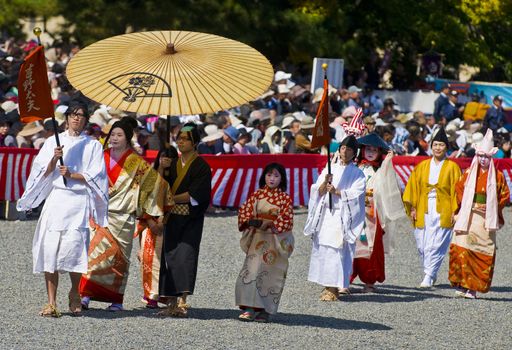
{"points": [[170, 72]]}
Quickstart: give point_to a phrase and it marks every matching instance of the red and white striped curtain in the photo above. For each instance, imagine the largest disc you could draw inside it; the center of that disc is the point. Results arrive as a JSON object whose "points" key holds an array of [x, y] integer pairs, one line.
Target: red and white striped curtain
{"points": [[234, 177], [15, 164]]}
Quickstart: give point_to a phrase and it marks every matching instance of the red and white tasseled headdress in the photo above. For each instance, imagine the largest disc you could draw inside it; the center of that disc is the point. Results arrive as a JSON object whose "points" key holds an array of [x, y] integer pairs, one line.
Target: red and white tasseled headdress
{"points": [[356, 125]]}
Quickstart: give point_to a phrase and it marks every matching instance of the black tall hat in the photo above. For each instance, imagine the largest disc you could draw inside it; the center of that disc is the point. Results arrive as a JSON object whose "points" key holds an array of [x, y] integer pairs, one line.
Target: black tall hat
{"points": [[374, 140], [440, 136], [350, 141]]}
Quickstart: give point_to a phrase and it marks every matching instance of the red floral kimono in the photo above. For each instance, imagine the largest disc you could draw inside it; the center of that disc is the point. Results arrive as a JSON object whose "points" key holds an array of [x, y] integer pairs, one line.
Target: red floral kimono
{"points": [[261, 280]]}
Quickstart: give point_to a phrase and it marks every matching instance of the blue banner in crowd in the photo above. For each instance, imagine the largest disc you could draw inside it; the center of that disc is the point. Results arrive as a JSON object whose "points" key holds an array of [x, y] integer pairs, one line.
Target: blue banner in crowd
{"points": [[484, 89]]}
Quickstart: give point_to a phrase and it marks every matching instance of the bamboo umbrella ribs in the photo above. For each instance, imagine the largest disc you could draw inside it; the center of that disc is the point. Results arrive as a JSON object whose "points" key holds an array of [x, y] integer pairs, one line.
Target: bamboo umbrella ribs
{"points": [[170, 72]]}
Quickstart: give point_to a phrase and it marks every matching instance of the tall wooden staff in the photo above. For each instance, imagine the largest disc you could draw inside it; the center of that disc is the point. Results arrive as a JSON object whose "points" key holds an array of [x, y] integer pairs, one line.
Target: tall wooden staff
{"points": [[35, 100], [321, 132]]}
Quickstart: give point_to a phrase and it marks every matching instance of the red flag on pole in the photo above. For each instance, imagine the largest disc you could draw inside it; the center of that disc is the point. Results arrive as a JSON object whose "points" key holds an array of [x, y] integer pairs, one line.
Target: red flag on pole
{"points": [[321, 132], [34, 97]]}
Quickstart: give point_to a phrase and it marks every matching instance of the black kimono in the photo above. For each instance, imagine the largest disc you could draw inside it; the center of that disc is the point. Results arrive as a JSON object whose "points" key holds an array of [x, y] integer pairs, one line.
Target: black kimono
{"points": [[183, 230]]}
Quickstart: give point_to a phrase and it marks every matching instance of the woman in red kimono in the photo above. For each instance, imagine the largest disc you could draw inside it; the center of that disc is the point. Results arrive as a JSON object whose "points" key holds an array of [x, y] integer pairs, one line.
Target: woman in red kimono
{"points": [[383, 203]]}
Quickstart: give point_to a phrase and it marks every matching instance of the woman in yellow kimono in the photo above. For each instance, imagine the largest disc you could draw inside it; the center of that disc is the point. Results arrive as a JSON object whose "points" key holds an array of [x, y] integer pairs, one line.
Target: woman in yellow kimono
{"points": [[136, 190], [482, 192], [266, 219], [430, 201]]}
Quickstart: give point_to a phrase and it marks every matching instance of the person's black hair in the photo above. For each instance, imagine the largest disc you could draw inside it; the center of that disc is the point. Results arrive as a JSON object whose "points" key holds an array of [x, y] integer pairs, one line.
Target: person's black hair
{"points": [[76, 105], [283, 185], [127, 124], [194, 132], [359, 158], [5, 122], [170, 152]]}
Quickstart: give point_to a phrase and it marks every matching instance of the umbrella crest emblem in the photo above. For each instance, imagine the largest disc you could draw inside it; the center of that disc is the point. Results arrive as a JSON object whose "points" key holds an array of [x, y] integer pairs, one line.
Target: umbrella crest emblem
{"points": [[140, 85]]}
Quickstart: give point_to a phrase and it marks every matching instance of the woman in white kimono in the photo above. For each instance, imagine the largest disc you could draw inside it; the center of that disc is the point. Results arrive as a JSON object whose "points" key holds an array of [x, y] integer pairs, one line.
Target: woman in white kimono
{"points": [[62, 234], [334, 231]]}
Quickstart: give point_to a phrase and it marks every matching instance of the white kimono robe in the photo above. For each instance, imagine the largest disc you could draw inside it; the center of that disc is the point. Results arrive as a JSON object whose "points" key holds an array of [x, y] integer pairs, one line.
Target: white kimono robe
{"points": [[334, 233], [62, 234]]}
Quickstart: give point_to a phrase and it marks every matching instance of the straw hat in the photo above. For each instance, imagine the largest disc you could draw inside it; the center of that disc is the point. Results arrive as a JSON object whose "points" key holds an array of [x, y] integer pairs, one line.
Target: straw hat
{"points": [[280, 75], [404, 118], [475, 138], [266, 94], [282, 89], [287, 121], [116, 113], [212, 133], [100, 117], [9, 106], [234, 120], [31, 129], [317, 96], [451, 132], [106, 128], [307, 123]]}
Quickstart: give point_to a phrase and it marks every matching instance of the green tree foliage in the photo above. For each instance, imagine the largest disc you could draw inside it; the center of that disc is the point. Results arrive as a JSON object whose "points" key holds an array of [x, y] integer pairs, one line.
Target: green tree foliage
{"points": [[473, 32]]}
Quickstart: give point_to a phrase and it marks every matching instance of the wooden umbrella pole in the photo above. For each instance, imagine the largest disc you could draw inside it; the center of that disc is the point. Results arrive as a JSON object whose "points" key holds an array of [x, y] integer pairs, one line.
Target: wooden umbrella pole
{"points": [[167, 145], [329, 171]]}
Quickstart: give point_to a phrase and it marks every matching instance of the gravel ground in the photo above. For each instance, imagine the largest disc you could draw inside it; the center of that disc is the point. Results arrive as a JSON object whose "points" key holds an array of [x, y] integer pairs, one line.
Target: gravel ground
{"points": [[398, 316]]}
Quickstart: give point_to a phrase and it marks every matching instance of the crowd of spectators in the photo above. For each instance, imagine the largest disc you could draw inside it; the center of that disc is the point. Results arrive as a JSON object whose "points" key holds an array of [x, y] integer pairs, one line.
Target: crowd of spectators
{"points": [[279, 121]]}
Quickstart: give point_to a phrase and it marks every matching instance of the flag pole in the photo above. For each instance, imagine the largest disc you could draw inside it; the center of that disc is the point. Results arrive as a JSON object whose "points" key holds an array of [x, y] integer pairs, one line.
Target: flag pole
{"points": [[167, 145], [324, 68], [37, 32]]}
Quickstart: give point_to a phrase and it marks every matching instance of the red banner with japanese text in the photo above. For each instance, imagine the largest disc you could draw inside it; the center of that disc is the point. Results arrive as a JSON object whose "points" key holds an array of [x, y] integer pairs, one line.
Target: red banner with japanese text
{"points": [[34, 97]]}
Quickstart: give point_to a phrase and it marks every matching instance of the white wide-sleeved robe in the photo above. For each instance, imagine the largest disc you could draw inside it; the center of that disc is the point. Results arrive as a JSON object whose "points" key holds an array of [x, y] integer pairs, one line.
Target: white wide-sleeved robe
{"points": [[334, 232], [62, 234]]}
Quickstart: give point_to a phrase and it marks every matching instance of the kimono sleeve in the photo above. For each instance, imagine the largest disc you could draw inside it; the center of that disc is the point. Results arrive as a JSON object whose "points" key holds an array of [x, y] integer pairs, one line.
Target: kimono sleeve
{"points": [[387, 195], [459, 187], [411, 192], [456, 174], [246, 212], [38, 186], [155, 195], [314, 205], [284, 221], [357, 188], [200, 181], [503, 191], [95, 175], [353, 209]]}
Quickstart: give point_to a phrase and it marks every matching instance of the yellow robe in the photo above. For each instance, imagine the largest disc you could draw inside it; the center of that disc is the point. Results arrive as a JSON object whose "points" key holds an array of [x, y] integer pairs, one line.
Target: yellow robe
{"points": [[417, 189]]}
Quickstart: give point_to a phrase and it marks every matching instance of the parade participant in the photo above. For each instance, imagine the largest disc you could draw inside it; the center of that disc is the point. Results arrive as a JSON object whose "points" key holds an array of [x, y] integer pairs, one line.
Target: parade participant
{"points": [[266, 219], [334, 231], [431, 203], [482, 193], [151, 241], [136, 190], [190, 177], [383, 204], [62, 234]]}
